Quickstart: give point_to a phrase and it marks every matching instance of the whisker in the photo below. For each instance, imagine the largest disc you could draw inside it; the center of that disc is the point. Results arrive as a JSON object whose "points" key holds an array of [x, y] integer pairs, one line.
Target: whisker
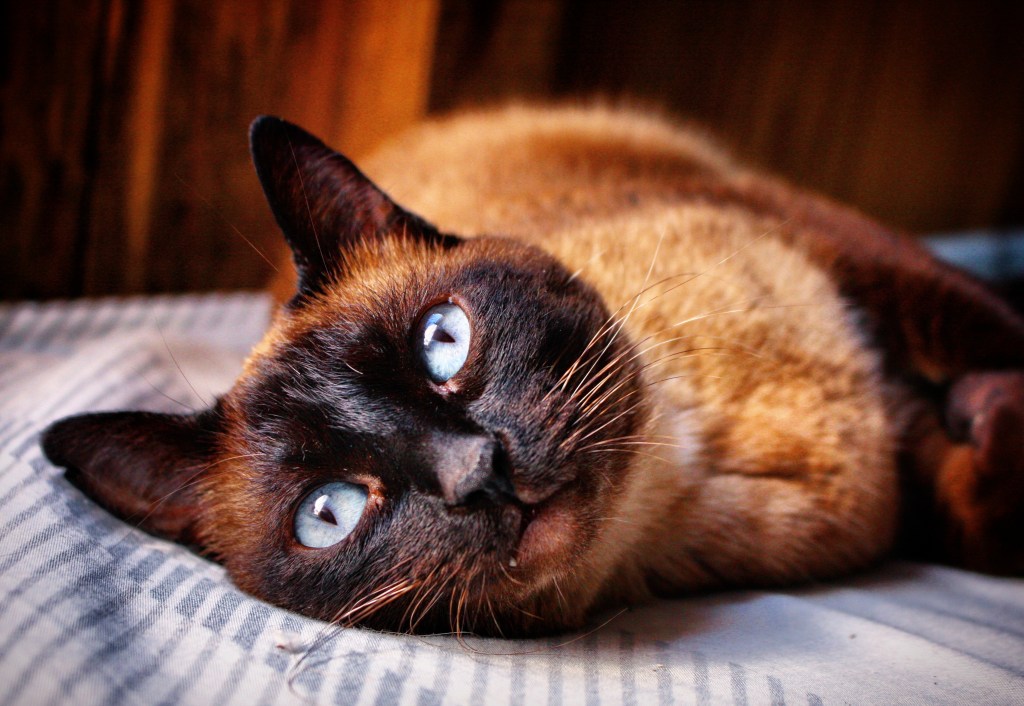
{"points": [[620, 520], [375, 601], [598, 379], [589, 407], [410, 609], [561, 596], [558, 646], [636, 299], [587, 264], [621, 444], [494, 617], [691, 277], [305, 197], [426, 600], [588, 412], [606, 328], [163, 394], [442, 587], [629, 437], [230, 225], [618, 416], [635, 452], [709, 314], [348, 615], [674, 355], [175, 361], [737, 251], [508, 576]]}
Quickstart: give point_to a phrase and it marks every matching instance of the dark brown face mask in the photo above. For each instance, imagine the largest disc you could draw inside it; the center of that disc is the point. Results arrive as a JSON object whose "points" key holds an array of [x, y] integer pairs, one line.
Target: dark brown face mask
{"points": [[402, 450]]}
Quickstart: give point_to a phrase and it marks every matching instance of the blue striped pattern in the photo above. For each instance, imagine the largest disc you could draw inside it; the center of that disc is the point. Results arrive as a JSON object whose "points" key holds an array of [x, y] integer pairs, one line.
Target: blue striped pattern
{"points": [[95, 612]]}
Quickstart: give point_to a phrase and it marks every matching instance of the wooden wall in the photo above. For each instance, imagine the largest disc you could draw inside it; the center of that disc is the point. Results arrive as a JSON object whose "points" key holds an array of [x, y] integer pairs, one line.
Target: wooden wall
{"points": [[912, 110], [123, 158], [125, 164]]}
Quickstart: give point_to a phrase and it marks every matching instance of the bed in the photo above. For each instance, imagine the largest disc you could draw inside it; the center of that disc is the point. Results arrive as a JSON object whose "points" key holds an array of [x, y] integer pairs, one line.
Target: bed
{"points": [[95, 612]]}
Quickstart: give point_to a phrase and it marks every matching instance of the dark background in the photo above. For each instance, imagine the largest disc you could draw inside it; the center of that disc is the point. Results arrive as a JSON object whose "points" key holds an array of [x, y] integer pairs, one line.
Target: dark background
{"points": [[123, 158]]}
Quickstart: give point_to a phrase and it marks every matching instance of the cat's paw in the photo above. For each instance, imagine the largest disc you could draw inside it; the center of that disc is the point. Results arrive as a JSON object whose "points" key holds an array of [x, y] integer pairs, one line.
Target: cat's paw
{"points": [[982, 482]]}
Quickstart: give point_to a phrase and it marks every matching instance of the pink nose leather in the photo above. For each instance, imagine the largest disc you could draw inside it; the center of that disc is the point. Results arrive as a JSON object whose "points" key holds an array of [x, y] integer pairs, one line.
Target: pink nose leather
{"points": [[464, 465]]}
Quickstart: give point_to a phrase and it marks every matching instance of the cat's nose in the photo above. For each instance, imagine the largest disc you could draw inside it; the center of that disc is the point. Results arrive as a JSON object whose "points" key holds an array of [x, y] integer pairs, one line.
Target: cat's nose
{"points": [[469, 470]]}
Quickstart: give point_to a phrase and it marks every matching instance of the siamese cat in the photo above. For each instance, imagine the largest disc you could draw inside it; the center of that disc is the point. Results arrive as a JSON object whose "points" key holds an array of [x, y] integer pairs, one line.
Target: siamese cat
{"points": [[538, 362]]}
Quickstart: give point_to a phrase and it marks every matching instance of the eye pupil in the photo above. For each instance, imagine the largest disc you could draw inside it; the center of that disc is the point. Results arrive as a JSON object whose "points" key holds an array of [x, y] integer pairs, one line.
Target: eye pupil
{"points": [[321, 510], [326, 515], [442, 336]]}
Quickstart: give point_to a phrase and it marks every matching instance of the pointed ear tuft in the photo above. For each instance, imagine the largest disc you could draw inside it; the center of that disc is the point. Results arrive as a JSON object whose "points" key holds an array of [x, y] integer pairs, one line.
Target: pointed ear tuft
{"points": [[322, 201], [141, 466]]}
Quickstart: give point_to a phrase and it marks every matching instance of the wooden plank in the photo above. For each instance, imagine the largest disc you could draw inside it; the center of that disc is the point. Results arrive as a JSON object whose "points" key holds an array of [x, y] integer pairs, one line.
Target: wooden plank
{"points": [[47, 91], [351, 71], [912, 110], [490, 51], [124, 148], [124, 166]]}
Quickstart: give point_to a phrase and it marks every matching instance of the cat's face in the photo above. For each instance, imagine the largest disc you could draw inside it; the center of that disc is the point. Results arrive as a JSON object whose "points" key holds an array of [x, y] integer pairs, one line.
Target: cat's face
{"points": [[417, 442]]}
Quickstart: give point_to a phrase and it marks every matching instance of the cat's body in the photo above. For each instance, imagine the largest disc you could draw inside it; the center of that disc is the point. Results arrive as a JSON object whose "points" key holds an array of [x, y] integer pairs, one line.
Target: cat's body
{"points": [[768, 437], [718, 381]]}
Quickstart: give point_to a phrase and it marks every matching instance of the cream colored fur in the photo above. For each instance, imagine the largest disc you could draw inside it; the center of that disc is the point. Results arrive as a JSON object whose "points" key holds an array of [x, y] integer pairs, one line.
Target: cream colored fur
{"points": [[769, 456]]}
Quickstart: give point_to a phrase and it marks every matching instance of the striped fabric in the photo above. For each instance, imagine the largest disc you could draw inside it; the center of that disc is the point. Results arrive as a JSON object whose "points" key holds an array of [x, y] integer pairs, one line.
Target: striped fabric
{"points": [[95, 612]]}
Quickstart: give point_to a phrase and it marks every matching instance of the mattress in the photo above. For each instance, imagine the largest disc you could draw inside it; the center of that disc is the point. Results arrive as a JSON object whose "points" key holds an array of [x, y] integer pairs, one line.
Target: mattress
{"points": [[93, 611]]}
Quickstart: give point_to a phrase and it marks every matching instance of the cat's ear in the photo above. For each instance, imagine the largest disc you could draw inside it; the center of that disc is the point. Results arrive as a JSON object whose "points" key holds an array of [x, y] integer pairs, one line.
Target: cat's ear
{"points": [[322, 201], [141, 466]]}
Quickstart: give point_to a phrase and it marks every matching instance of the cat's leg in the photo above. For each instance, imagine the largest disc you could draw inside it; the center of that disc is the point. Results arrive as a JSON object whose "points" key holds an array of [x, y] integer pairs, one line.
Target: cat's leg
{"points": [[963, 453], [963, 478]]}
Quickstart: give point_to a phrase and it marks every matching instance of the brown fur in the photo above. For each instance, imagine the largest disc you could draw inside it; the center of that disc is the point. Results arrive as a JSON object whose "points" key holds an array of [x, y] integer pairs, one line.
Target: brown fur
{"points": [[780, 377], [788, 446], [598, 185]]}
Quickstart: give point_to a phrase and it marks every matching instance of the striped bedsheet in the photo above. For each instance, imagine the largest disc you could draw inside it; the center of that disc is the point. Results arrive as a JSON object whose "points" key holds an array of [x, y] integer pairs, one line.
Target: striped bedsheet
{"points": [[95, 612]]}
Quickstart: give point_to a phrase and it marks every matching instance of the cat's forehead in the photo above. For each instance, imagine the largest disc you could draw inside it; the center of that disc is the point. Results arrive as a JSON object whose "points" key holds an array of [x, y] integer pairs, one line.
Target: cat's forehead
{"points": [[385, 282], [350, 350]]}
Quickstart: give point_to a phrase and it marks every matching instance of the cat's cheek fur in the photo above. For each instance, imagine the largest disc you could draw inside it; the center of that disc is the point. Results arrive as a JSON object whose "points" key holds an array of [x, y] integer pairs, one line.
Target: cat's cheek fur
{"points": [[746, 481]]}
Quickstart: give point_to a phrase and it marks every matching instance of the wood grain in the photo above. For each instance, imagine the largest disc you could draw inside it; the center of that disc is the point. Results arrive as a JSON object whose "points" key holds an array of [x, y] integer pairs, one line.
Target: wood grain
{"points": [[911, 110], [123, 156], [47, 109], [128, 170]]}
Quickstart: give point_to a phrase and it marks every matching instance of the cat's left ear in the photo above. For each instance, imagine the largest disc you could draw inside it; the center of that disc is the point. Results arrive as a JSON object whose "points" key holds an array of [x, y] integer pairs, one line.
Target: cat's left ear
{"points": [[322, 202], [141, 466]]}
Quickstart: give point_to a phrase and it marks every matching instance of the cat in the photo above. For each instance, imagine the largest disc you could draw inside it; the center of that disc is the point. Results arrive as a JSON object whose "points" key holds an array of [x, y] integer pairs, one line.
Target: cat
{"points": [[607, 363]]}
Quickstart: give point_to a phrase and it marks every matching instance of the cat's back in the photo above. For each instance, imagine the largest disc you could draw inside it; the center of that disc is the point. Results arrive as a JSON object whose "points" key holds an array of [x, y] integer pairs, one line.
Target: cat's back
{"points": [[526, 171]]}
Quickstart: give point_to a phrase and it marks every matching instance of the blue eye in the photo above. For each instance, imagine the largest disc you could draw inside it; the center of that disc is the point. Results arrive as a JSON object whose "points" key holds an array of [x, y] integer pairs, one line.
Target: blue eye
{"points": [[443, 340], [329, 514]]}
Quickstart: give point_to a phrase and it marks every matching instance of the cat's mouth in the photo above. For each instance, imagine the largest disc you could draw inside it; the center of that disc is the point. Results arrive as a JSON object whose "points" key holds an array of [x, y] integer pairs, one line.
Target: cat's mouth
{"points": [[547, 534]]}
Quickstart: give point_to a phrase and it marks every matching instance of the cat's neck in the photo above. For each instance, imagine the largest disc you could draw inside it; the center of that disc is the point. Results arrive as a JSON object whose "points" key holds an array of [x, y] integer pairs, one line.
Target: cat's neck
{"points": [[668, 468]]}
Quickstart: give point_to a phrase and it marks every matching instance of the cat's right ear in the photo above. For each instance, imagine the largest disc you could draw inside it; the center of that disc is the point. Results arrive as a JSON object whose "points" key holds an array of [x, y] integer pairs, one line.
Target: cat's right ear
{"points": [[322, 202], [141, 466]]}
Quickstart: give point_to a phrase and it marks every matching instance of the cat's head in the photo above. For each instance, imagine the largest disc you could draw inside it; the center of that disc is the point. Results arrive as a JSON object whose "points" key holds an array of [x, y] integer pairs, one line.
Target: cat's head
{"points": [[416, 444]]}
